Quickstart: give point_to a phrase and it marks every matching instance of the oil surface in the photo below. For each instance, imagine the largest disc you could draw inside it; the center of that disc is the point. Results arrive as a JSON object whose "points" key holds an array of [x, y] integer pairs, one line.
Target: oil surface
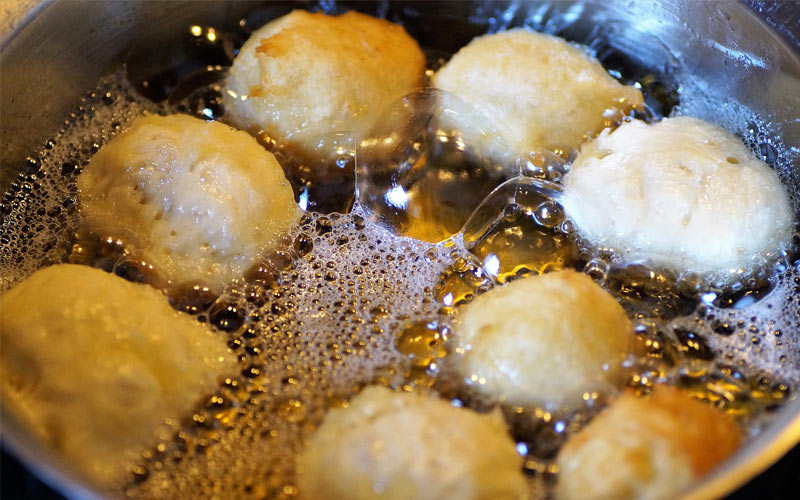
{"points": [[350, 301]]}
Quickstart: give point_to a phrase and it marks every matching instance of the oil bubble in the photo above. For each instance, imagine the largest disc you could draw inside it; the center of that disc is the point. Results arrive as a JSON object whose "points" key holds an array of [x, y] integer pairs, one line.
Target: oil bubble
{"points": [[417, 174], [323, 180], [516, 230]]}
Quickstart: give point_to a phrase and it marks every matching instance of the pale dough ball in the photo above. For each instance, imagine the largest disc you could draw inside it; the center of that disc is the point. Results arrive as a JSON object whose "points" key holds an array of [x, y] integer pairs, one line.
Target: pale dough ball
{"points": [[198, 200], [303, 76], [648, 448], [682, 193], [543, 340], [94, 365], [388, 445], [540, 91]]}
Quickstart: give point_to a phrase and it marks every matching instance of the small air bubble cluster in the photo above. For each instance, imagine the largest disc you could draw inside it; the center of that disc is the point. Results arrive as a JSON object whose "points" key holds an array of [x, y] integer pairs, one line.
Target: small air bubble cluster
{"points": [[39, 213]]}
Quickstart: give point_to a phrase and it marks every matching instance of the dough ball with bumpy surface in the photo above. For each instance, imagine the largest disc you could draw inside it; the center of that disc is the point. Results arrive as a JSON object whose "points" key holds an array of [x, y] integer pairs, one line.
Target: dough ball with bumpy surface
{"points": [[543, 340], [681, 193], [306, 75], [540, 91], [94, 365], [649, 448], [198, 200], [388, 445]]}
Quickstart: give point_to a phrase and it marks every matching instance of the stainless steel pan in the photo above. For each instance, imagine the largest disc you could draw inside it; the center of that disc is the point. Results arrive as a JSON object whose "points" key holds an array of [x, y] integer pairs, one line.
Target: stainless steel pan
{"points": [[52, 51]]}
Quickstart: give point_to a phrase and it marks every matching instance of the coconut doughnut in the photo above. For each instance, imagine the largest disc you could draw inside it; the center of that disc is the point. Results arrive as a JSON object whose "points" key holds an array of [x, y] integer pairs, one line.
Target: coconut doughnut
{"points": [[388, 445], [681, 193], [544, 340], [306, 75], [649, 448], [540, 92], [198, 200], [94, 364]]}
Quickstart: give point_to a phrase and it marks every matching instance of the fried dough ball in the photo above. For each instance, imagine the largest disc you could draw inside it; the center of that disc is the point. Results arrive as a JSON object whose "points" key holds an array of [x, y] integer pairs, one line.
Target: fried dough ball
{"points": [[648, 448], [94, 365], [391, 445], [540, 91], [543, 340], [198, 200], [682, 193], [305, 75]]}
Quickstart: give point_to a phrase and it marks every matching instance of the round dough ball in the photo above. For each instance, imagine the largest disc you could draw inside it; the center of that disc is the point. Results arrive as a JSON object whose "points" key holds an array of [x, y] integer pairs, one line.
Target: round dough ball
{"points": [[681, 193], [94, 365], [388, 445], [645, 448], [198, 200], [540, 91], [304, 76], [543, 340]]}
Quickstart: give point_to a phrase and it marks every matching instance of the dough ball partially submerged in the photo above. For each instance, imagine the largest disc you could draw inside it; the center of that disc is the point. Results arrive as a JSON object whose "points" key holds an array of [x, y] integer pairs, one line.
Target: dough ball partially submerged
{"points": [[306, 75], [391, 445], [198, 200], [645, 448], [682, 193], [543, 340], [95, 364], [541, 91]]}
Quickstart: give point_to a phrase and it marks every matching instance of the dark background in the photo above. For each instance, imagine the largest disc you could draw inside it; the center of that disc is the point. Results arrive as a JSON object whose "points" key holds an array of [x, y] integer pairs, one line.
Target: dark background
{"points": [[780, 482]]}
